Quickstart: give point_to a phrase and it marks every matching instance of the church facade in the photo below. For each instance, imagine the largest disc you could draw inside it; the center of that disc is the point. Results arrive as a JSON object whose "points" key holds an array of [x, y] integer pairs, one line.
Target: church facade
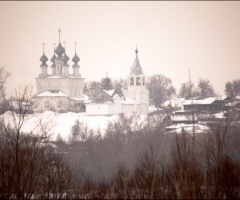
{"points": [[61, 91]]}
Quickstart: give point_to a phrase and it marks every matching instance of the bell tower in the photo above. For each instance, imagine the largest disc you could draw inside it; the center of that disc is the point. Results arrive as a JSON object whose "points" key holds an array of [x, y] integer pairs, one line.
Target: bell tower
{"points": [[137, 87]]}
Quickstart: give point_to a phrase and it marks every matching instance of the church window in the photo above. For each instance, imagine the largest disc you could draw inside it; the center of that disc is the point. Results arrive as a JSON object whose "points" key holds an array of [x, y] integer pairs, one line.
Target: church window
{"points": [[132, 81], [138, 81]]}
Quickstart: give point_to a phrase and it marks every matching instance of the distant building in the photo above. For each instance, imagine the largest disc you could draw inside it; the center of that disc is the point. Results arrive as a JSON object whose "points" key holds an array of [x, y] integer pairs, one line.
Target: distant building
{"points": [[211, 104], [59, 91], [134, 101]]}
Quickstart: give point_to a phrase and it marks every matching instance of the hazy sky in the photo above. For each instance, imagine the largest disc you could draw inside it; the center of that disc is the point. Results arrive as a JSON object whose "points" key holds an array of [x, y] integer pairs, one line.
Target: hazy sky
{"points": [[172, 37]]}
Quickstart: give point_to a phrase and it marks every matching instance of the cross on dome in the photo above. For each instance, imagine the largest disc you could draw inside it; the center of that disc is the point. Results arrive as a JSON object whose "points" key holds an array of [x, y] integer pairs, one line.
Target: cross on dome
{"points": [[75, 45], [59, 31], [43, 44]]}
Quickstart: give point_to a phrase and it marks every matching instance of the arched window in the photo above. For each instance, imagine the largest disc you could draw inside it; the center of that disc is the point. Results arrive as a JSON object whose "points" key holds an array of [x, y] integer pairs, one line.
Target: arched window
{"points": [[138, 81], [131, 81]]}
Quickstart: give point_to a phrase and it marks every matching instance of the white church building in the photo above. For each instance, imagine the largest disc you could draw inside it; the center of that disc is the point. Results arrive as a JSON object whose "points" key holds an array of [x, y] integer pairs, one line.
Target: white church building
{"points": [[135, 100], [61, 91]]}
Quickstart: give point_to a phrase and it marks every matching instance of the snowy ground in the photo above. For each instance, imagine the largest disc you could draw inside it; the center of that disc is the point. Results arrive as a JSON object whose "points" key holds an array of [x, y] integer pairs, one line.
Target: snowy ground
{"points": [[60, 124]]}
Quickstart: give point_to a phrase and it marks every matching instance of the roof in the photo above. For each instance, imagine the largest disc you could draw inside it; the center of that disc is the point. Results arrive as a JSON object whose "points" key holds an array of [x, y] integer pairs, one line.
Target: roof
{"points": [[52, 93], [189, 128], [208, 100], [109, 92], [84, 98]]}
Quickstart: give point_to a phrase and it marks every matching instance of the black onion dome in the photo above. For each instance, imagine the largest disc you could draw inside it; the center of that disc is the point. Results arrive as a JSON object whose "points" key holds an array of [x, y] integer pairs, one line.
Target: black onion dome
{"points": [[53, 58], [59, 49], [43, 58], [75, 59], [65, 58]]}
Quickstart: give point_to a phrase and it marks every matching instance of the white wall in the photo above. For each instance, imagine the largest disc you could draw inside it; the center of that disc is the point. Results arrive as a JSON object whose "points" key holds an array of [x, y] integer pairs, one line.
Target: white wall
{"points": [[116, 107], [73, 87], [53, 102], [128, 108], [97, 109]]}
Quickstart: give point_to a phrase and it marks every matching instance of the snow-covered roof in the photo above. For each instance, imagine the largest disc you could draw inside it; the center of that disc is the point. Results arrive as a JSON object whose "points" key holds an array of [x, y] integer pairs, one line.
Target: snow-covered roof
{"points": [[52, 93], [189, 128], [110, 92], [84, 98], [54, 77], [115, 96], [208, 100]]}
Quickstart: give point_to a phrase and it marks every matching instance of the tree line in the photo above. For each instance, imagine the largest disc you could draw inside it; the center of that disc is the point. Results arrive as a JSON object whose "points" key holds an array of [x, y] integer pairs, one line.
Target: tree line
{"points": [[161, 88]]}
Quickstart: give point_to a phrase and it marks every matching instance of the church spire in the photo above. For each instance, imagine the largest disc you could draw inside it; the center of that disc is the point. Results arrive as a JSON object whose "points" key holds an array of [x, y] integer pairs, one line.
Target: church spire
{"points": [[136, 68], [136, 51]]}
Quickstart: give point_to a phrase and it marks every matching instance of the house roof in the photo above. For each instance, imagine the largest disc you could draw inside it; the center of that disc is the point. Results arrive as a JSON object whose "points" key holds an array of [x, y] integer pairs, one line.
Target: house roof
{"points": [[109, 92], [189, 128], [208, 100]]}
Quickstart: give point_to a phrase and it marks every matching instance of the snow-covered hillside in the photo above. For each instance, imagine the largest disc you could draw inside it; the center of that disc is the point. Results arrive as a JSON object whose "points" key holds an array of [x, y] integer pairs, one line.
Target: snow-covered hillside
{"points": [[61, 124]]}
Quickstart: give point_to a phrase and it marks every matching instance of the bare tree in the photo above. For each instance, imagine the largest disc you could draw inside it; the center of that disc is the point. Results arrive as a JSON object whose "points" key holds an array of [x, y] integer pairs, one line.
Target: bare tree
{"points": [[232, 89], [4, 75], [205, 88], [120, 85], [188, 90], [160, 89], [91, 87], [24, 157]]}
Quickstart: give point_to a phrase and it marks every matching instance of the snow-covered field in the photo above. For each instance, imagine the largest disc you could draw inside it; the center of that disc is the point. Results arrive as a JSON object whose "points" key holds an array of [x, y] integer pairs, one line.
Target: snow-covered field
{"points": [[60, 124]]}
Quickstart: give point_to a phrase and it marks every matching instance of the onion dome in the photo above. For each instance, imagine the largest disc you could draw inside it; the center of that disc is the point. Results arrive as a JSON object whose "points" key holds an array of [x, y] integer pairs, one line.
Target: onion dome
{"points": [[59, 50], [65, 59], [43, 59], [75, 59], [53, 58]]}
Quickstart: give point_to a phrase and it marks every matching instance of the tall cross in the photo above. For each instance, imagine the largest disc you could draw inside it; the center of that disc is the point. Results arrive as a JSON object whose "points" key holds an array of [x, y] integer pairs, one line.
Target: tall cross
{"points": [[59, 31], [75, 46], [43, 46]]}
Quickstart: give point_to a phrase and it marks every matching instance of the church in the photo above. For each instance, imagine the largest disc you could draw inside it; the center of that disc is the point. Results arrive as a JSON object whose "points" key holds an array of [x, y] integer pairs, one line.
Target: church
{"points": [[61, 91], [135, 99]]}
